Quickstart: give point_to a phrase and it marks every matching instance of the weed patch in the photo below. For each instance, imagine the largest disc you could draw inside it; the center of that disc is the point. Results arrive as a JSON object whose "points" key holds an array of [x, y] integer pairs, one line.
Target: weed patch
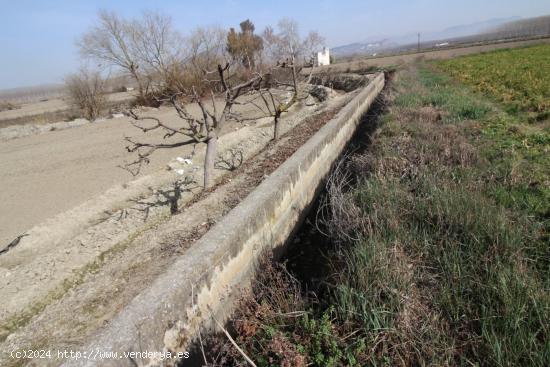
{"points": [[518, 77]]}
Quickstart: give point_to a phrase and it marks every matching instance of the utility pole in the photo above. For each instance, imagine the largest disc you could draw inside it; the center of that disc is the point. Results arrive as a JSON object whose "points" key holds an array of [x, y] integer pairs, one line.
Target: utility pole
{"points": [[418, 42]]}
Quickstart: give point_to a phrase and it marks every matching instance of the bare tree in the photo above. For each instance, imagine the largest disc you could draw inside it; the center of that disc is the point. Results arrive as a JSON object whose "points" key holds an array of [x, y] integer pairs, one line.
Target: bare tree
{"points": [[287, 51], [270, 103], [86, 91], [202, 51], [140, 47], [275, 108], [204, 128], [206, 48], [157, 44], [288, 46], [110, 42]]}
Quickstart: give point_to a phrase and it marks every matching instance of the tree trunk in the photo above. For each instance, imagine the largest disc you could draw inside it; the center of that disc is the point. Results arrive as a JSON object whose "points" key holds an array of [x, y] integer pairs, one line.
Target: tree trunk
{"points": [[139, 82], [141, 90], [294, 77], [276, 128], [211, 152]]}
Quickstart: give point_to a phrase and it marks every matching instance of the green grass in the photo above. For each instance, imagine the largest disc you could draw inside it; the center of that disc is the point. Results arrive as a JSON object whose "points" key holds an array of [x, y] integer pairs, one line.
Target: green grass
{"points": [[447, 261], [517, 77], [444, 202], [518, 151]]}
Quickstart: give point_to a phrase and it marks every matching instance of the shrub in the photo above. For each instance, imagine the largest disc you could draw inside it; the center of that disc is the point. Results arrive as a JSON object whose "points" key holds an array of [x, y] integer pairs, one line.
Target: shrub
{"points": [[319, 92], [8, 106], [86, 91]]}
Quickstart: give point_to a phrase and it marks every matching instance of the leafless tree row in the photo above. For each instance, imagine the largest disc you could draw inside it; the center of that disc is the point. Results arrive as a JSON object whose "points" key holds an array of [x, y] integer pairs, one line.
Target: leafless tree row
{"points": [[539, 26]]}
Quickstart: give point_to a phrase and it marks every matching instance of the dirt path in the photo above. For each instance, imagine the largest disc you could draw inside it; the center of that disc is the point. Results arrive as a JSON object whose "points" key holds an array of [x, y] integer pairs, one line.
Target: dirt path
{"points": [[388, 61], [46, 174], [38, 275], [125, 269]]}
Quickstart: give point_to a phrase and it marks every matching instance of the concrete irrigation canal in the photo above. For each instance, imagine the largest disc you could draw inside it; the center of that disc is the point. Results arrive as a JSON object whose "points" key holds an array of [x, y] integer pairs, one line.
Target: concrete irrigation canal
{"points": [[200, 289]]}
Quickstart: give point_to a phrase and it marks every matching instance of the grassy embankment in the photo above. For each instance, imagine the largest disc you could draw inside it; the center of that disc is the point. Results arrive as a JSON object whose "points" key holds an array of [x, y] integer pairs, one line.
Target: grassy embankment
{"points": [[441, 249]]}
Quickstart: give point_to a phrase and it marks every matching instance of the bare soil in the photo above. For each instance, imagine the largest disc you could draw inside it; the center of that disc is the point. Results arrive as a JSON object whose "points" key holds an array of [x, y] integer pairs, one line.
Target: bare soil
{"points": [[47, 174], [98, 266]]}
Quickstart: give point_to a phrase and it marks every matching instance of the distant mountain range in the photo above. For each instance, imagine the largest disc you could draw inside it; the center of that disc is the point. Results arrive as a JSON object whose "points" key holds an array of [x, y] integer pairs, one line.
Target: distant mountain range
{"points": [[375, 45]]}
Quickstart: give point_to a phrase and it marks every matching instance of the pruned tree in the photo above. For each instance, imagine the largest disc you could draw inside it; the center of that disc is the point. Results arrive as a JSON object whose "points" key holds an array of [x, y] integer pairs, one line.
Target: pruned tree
{"points": [[275, 107], [287, 50], [205, 128], [244, 46], [86, 92], [269, 102]]}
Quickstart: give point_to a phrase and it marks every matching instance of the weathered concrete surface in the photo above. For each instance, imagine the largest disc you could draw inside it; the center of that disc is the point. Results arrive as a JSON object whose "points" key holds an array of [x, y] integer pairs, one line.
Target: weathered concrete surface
{"points": [[203, 283]]}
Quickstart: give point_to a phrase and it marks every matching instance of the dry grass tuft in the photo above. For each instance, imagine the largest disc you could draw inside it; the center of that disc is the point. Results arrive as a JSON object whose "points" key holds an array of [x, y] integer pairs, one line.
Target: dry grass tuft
{"points": [[8, 106]]}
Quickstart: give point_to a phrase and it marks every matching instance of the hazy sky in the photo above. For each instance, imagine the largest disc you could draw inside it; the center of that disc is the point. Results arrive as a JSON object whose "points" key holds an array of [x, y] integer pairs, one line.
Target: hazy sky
{"points": [[38, 37]]}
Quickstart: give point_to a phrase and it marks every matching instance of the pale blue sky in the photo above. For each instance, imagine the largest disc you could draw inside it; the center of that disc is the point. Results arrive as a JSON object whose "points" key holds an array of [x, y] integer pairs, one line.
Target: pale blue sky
{"points": [[38, 37]]}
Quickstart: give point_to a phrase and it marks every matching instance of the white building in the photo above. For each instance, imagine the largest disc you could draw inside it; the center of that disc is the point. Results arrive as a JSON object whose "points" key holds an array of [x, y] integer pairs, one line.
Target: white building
{"points": [[323, 57]]}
